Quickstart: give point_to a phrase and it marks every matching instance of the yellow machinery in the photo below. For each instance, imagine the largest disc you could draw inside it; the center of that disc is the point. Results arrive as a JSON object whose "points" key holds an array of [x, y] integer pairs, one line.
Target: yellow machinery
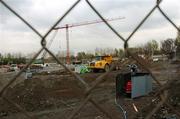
{"points": [[101, 63]]}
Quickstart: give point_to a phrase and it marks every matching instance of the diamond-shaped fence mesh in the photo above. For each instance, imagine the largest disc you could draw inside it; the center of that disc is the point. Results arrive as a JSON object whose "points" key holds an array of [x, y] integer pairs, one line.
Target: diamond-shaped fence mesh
{"points": [[86, 88]]}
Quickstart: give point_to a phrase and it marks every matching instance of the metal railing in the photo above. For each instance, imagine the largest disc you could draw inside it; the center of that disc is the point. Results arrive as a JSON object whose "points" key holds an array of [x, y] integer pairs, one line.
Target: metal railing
{"points": [[162, 93]]}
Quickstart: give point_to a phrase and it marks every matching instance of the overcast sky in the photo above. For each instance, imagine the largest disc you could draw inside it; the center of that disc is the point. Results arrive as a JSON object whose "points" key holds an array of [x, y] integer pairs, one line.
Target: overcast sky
{"points": [[15, 36]]}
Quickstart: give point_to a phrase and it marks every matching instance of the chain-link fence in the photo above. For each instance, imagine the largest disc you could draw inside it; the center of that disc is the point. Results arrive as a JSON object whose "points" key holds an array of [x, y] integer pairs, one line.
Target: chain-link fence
{"points": [[87, 89]]}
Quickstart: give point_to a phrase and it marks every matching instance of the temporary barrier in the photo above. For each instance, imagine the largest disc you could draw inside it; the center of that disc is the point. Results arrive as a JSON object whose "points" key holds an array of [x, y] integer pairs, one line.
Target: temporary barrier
{"points": [[81, 69]]}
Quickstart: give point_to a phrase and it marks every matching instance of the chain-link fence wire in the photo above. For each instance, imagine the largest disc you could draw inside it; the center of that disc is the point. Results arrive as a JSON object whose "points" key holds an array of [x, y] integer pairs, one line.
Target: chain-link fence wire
{"points": [[162, 93]]}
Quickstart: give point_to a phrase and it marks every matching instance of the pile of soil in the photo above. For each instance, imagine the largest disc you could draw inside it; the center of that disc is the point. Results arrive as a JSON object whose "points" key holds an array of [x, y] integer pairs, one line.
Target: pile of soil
{"points": [[39, 94]]}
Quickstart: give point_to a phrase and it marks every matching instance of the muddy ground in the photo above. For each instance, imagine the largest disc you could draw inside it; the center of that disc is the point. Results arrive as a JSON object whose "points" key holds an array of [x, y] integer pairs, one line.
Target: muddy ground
{"points": [[55, 96]]}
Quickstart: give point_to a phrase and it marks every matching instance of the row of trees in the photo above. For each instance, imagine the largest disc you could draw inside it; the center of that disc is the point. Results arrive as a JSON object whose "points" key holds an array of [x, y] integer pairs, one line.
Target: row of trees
{"points": [[169, 47], [12, 59], [152, 47], [101, 51]]}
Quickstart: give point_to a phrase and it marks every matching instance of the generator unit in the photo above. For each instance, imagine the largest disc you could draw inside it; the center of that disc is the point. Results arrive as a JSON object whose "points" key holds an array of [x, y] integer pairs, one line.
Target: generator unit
{"points": [[133, 84]]}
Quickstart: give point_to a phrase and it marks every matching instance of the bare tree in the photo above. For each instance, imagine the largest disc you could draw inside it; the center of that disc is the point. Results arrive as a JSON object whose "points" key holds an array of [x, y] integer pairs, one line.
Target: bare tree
{"points": [[177, 43], [150, 47], [104, 51], [168, 47]]}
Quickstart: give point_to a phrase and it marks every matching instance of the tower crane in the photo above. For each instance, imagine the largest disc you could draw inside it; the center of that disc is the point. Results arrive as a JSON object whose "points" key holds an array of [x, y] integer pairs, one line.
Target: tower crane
{"points": [[67, 26]]}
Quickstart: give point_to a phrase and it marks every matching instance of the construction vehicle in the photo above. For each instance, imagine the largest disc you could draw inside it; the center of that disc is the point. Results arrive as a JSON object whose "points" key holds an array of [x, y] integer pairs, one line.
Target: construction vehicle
{"points": [[101, 63]]}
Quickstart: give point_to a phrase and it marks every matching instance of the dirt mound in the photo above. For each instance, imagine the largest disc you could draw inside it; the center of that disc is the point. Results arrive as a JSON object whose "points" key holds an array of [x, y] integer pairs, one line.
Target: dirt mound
{"points": [[40, 94]]}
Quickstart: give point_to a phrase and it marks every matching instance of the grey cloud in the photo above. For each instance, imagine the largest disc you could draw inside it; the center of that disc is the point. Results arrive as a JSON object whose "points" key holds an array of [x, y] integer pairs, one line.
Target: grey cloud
{"points": [[8, 20], [19, 6], [19, 3], [133, 10]]}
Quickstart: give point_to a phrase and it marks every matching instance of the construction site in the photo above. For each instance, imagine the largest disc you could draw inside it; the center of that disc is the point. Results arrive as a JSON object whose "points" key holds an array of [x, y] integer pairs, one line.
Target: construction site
{"points": [[128, 82]]}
